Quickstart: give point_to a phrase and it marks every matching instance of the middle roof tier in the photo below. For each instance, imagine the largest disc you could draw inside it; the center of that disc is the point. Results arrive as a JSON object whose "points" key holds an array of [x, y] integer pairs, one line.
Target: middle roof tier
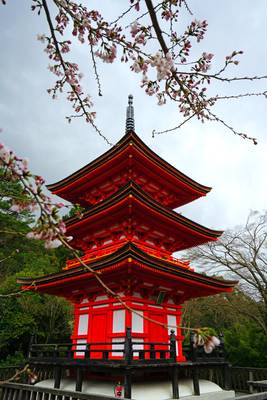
{"points": [[131, 215]]}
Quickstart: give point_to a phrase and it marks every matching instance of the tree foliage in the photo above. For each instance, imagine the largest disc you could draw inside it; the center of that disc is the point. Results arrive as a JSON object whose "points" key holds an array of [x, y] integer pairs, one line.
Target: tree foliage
{"points": [[245, 341], [241, 254], [28, 313]]}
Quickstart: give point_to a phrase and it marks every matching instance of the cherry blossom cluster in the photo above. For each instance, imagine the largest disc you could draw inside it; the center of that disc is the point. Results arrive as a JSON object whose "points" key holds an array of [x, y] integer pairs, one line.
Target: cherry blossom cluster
{"points": [[197, 29], [177, 78], [67, 73], [183, 88], [203, 338], [88, 27], [49, 226], [168, 73]]}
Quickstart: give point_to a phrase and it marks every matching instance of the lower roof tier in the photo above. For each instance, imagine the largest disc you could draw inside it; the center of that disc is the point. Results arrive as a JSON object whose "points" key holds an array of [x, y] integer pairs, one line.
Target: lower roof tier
{"points": [[133, 215], [125, 270]]}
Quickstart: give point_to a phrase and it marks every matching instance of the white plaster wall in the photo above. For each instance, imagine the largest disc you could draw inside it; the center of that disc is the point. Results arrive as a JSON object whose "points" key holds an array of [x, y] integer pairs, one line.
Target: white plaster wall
{"points": [[83, 324], [137, 322], [118, 321]]}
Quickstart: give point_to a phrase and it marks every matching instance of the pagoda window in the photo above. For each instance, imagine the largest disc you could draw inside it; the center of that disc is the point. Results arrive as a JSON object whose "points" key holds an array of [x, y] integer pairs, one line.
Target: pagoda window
{"points": [[137, 346], [100, 298], [117, 345], [80, 345], [137, 322], [107, 241], [153, 306], [118, 324], [100, 306], [137, 294], [83, 324], [149, 241]]}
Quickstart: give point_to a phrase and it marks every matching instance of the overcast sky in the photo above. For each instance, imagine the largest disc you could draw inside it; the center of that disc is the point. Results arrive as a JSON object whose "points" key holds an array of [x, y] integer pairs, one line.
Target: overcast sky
{"points": [[35, 126]]}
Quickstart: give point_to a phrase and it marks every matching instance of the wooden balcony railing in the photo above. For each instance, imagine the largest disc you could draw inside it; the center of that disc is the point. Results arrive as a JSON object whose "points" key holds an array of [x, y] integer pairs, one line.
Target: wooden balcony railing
{"points": [[127, 351], [17, 391], [58, 361]]}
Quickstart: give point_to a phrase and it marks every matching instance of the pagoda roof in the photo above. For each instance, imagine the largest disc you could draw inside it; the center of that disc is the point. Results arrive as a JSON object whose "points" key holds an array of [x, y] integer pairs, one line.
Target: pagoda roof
{"points": [[132, 201], [183, 188], [127, 261]]}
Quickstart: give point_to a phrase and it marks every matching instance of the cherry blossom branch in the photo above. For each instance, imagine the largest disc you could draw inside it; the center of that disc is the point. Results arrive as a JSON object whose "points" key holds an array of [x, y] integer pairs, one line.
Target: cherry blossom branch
{"points": [[241, 134], [122, 15], [237, 96], [16, 375], [188, 8], [95, 71], [49, 223], [10, 255], [70, 71], [14, 233], [173, 129], [156, 8], [220, 78], [187, 88], [156, 26], [19, 292]]}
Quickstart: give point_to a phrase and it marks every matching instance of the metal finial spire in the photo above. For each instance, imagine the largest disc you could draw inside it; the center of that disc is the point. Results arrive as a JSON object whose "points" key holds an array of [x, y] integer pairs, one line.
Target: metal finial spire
{"points": [[130, 115]]}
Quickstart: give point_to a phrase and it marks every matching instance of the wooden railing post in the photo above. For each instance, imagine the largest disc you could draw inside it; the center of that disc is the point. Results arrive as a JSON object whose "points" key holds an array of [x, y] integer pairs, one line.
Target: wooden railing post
{"points": [[227, 377], [250, 378], [195, 377], [128, 347], [55, 351], [79, 379], [128, 385], [193, 354], [57, 376], [173, 346], [69, 351], [32, 341], [152, 352], [221, 337], [87, 353], [175, 387]]}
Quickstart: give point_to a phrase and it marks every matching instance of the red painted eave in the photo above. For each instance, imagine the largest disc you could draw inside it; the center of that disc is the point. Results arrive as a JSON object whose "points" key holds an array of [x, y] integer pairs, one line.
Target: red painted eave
{"points": [[112, 208], [141, 264], [112, 159]]}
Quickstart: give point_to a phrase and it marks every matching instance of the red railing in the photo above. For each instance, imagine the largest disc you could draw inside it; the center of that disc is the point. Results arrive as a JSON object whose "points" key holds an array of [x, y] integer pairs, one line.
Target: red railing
{"points": [[104, 251]]}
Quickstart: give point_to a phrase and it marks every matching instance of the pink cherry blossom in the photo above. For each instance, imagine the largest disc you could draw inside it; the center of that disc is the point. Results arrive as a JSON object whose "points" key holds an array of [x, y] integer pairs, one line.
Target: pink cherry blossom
{"points": [[135, 28]]}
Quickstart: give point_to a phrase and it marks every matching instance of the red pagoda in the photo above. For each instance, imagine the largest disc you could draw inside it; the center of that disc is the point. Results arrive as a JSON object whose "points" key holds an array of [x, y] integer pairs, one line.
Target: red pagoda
{"points": [[128, 234]]}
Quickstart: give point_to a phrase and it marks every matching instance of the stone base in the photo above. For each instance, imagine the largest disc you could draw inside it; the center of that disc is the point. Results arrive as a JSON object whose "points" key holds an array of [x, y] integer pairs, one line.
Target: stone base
{"points": [[149, 390]]}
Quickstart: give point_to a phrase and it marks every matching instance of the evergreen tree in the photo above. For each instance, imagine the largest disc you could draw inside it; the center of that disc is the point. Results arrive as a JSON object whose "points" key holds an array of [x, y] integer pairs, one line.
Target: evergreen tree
{"points": [[26, 313]]}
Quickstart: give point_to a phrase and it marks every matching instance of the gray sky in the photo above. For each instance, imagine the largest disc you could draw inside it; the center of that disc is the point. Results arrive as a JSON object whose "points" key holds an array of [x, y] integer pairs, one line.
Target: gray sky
{"points": [[35, 126]]}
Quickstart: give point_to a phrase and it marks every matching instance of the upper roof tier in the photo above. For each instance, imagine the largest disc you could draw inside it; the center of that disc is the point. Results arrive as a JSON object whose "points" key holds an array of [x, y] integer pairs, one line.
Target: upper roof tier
{"points": [[129, 160]]}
